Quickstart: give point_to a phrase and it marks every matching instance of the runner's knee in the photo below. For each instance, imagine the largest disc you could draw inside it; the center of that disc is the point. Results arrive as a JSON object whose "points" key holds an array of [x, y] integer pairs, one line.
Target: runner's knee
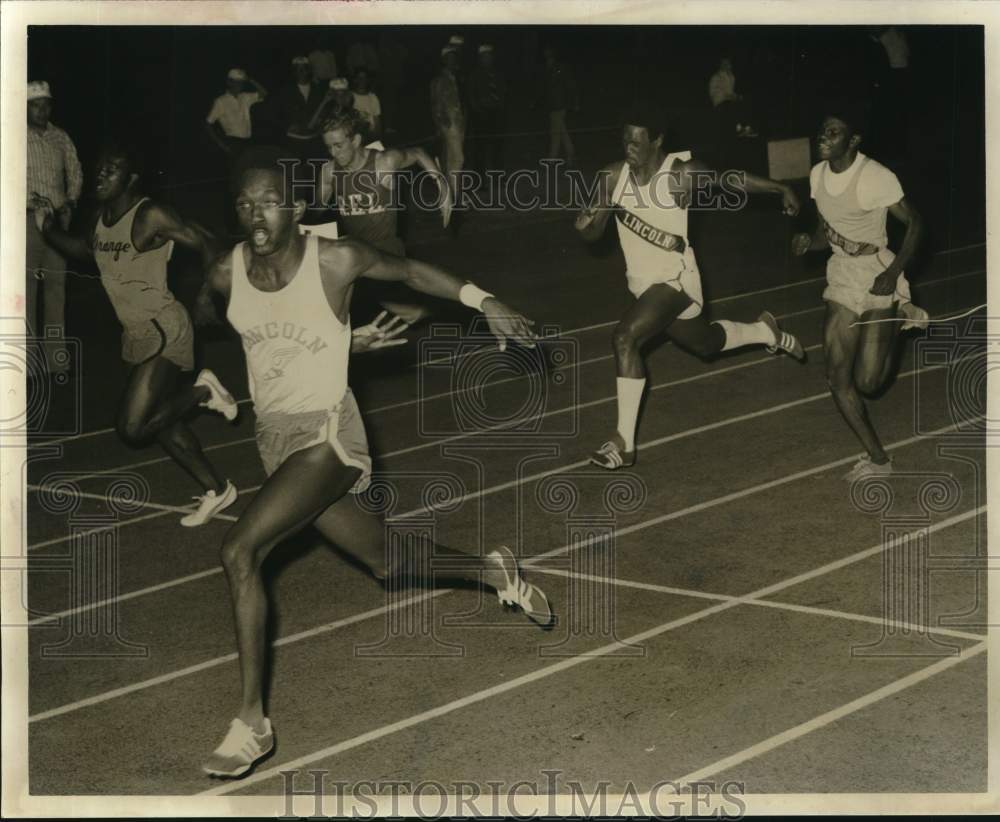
{"points": [[624, 339], [867, 380], [132, 432], [239, 558]]}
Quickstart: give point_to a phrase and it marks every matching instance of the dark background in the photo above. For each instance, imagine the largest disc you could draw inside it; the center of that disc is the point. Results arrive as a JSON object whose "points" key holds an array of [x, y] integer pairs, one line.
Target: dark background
{"points": [[157, 83]]}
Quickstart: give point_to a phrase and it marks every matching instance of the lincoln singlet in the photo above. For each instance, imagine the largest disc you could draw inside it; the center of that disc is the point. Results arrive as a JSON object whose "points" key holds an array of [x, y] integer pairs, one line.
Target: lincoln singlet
{"points": [[136, 281], [647, 219], [296, 348]]}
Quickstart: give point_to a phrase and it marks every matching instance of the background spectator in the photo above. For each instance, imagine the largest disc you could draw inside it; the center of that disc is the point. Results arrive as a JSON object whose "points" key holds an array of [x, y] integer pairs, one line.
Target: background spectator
{"points": [[324, 63], [367, 102], [228, 122], [449, 116], [298, 105], [54, 179], [561, 95], [487, 99]]}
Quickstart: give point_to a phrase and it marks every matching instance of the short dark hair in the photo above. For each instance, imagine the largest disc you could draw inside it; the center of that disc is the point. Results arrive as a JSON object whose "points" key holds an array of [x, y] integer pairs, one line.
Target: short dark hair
{"points": [[264, 158], [125, 149], [647, 114], [856, 114]]}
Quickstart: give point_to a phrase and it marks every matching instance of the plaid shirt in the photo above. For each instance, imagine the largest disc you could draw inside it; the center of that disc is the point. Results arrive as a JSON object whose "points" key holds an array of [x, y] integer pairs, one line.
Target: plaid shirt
{"points": [[54, 170]]}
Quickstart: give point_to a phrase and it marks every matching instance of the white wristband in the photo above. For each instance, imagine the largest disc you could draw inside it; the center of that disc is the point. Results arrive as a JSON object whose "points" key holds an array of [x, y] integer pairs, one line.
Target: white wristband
{"points": [[473, 296]]}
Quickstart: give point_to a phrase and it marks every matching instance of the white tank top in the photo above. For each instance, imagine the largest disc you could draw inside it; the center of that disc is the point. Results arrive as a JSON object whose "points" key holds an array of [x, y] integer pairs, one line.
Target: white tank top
{"points": [[851, 229], [136, 281], [296, 348], [649, 214]]}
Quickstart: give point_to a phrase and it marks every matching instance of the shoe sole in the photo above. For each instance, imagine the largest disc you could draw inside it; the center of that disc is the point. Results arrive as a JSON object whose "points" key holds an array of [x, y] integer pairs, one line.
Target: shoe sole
{"points": [[241, 773], [211, 382]]}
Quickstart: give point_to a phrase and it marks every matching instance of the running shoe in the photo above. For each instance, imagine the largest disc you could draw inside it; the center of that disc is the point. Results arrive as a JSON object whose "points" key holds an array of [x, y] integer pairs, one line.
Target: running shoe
{"points": [[864, 467], [241, 748], [915, 316], [783, 340], [517, 592], [219, 399], [612, 455], [209, 505]]}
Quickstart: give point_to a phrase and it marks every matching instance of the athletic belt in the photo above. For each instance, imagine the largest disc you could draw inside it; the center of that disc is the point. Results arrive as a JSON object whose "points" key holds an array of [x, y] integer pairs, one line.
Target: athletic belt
{"points": [[849, 247]]}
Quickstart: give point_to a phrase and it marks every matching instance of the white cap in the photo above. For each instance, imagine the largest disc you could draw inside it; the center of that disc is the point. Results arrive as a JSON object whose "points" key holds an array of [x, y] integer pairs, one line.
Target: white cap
{"points": [[456, 40], [448, 50], [236, 74], [485, 48], [339, 84], [300, 61], [38, 89]]}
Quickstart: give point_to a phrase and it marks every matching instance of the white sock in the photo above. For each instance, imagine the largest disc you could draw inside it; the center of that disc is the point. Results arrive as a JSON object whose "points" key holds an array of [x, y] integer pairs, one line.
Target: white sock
{"points": [[629, 397], [740, 334]]}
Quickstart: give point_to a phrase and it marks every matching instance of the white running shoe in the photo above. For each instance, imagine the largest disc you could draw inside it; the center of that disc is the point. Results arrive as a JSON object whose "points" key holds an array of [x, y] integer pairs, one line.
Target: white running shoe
{"points": [[526, 596], [241, 748], [209, 505], [783, 341], [916, 317], [864, 467], [220, 399]]}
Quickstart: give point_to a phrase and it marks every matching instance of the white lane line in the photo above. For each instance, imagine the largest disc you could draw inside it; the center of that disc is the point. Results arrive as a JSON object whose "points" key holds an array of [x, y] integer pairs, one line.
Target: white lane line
{"points": [[655, 443], [797, 732], [222, 660], [436, 442], [746, 492], [541, 673], [440, 441], [766, 603], [584, 328], [525, 562], [166, 509]]}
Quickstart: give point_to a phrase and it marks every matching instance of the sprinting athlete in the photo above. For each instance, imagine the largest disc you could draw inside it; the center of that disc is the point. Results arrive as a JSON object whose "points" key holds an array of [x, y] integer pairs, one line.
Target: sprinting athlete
{"points": [[359, 182], [651, 190], [131, 238], [866, 288], [310, 433]]}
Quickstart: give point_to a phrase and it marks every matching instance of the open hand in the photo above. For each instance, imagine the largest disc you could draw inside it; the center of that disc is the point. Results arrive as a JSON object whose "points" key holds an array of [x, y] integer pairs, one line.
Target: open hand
{"points": [[507, 324], [378, 334]]}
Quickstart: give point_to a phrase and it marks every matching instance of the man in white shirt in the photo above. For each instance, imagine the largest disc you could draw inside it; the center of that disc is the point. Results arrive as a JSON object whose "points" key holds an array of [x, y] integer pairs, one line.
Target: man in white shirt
{"points": [[367, 102], [228, 122], [867, 295]]}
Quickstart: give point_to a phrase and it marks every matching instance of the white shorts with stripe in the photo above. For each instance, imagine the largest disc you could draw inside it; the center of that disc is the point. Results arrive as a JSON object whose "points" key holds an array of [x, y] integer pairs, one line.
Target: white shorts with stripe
{"points": [[849, 281], [682, 275], [281, 435]]}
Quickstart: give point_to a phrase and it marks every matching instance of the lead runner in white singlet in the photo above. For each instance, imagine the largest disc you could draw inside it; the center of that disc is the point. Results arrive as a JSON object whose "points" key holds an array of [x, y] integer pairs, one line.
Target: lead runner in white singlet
{"points": [[650, 190], [289, 297]]}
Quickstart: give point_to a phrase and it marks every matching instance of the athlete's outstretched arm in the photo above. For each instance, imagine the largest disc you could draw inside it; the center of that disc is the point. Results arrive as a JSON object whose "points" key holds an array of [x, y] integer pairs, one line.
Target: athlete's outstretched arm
{"points": [[755, 185], [397, 158], [218, 282], [885, 283], [352, 259], [593, 219], [78, 246], [163, 221]]}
